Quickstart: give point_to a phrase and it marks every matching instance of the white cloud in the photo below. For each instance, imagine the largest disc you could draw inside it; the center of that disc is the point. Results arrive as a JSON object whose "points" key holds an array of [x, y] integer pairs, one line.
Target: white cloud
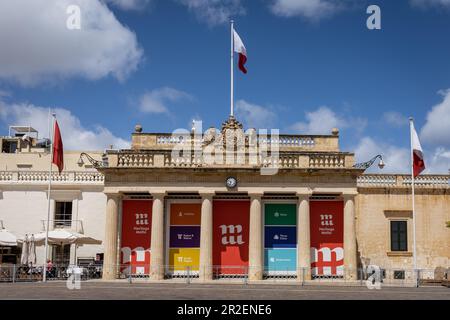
{"points": [[75, 135], [255, 116], [395, 118], [320, 121], [310, 9], [436, 131], [155, 101], [397, 159], [129, 4], [214, 12], [36, 45]]}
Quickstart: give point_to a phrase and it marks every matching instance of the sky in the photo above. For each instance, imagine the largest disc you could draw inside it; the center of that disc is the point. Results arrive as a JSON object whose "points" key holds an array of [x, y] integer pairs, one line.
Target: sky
{"points": [[313, 65]]}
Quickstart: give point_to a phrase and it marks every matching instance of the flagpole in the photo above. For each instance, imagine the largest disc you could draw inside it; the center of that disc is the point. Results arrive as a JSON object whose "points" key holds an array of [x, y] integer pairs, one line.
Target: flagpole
{"points": [[232, 69], [44, 274], [411, 128]]}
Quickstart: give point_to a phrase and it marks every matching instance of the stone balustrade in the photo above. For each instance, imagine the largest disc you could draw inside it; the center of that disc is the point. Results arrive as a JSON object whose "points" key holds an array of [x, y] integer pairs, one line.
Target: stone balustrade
{"points": [[403, 181], [282, 160], [287, 161], [36, 177], [167, 141]]}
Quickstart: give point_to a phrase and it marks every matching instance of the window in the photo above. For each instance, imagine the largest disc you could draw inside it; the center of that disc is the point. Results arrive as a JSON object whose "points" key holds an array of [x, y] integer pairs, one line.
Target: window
{"points": [[63, 214], [399, 274], [9, 146], [399, 239]]}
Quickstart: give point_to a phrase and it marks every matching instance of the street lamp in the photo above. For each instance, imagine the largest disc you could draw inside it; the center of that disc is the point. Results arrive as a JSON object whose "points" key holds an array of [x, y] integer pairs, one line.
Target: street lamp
{"points": [[368, 164], [95, 163]]}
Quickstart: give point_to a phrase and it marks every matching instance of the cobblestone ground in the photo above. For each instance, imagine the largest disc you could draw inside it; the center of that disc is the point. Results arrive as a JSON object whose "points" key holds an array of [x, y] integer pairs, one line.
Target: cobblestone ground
{"points": [[148, 291]]}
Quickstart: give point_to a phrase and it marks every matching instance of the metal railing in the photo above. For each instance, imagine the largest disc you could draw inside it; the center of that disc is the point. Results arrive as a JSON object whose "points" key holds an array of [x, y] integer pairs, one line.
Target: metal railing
{"points": [[241, 274]]}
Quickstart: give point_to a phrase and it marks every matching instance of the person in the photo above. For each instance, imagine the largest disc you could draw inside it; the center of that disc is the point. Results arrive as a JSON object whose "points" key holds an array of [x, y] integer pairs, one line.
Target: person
{"points": [[49, 268]]}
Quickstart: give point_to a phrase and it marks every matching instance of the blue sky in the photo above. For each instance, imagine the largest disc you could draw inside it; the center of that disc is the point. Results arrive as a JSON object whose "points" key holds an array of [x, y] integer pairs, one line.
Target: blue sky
{"points": [[313, 65]]}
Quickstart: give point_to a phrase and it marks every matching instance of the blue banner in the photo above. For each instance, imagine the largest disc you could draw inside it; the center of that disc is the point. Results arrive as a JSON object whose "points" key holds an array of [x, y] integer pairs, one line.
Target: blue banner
{"points": [[280, 237], [280, 260]]}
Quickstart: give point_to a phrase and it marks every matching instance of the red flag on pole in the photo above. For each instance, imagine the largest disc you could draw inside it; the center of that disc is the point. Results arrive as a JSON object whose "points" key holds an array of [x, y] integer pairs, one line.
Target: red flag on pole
{"points": [[239, 47], [417, 153], [58, 149]]}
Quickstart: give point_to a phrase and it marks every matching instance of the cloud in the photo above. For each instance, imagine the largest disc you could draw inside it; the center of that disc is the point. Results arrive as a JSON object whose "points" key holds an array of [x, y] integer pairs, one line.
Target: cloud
{"points": [[397, 159], [320, 121], [129, 5], [36, 45], [214, 12], [436, 131], [395, 118], [75, 135], [255, 116], [310, 9], [156, 101]]}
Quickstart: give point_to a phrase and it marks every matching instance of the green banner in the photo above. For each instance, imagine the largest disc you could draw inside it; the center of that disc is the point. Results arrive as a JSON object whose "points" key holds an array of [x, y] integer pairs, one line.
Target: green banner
{"points": [[280, 214]]}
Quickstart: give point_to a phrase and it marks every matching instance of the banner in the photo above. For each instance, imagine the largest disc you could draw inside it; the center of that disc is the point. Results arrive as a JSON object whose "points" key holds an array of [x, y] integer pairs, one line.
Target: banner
{"points": [[281, 261], [327, 238], [136, 236], [184, 237], [231, 221], [182, 259], [280, 238]]}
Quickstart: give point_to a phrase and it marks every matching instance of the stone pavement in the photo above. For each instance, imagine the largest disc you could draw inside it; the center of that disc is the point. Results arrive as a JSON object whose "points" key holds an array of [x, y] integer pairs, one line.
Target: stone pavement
{"points": [[169, 291]]}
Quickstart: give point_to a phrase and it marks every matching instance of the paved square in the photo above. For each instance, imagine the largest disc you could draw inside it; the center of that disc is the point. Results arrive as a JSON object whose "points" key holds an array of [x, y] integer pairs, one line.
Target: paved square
{"points": [[175, 291]]}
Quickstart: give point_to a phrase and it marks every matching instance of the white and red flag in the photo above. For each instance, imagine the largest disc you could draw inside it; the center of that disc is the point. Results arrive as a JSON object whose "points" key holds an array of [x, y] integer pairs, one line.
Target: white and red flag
{"points": [[58, 149], [239, 48], [417, 152]]}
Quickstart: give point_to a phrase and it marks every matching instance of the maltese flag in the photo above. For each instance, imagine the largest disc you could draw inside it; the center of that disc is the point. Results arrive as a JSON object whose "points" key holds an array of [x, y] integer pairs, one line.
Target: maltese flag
{"points": [[239, 47], [417, 153]]}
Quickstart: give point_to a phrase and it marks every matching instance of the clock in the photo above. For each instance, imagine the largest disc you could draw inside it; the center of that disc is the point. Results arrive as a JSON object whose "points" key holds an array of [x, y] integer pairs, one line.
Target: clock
{"points": [[231, 182]]}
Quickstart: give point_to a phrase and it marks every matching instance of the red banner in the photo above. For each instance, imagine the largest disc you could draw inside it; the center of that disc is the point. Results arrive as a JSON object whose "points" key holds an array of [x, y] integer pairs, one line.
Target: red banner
{"points": [[231, 220], [327, 238], [136, 236]]}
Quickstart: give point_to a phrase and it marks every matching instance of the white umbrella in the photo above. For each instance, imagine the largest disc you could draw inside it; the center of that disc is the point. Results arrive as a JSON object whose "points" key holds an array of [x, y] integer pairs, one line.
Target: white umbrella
{"points": [[25, 247], [7, 239], [63, 236], [32, 251]]}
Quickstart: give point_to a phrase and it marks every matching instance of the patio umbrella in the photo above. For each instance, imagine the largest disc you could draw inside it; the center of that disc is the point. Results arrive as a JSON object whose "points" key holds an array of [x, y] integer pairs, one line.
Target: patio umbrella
{"points": [[7, 239], [32, 251], [63, 236], [25, 253]]}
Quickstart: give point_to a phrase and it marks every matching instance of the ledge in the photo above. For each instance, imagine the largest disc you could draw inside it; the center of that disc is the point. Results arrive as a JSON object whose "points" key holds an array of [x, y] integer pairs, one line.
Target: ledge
{"points": [[399, 254]]}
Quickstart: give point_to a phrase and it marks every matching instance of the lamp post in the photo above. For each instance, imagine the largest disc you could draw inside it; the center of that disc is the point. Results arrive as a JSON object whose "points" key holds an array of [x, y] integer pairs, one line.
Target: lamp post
{"points": [[368, 164], [95, 163]]}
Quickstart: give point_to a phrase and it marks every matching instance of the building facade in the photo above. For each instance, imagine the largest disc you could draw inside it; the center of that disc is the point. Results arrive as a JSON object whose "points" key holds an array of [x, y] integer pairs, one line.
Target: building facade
{"points": [[232, 203]]}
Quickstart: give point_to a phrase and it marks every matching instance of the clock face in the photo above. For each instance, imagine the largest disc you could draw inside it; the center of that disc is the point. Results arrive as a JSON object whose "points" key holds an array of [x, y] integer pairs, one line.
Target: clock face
{"points": [[231, 182]]}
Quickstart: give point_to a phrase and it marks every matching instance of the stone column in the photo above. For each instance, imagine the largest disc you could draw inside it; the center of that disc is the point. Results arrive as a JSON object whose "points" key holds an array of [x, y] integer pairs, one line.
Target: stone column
{"points": [[157, 245], [256, 268], [303, 238], [206, 238], [350, 260], [111, 232]]}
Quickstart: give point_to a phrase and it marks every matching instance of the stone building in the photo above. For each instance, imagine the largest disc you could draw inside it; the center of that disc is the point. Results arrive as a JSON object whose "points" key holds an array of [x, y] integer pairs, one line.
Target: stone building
{"points": [[232, 203], [171, 209]]}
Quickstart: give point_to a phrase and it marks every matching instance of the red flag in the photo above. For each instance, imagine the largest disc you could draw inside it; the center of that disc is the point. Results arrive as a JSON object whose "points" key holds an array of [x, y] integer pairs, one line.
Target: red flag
{"points": [[58, 149], [239, 47], [417, 153]]}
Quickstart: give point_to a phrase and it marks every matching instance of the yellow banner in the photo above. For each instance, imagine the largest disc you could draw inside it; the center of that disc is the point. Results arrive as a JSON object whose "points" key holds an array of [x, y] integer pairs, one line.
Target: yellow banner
{"points": [[180, 259]]}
